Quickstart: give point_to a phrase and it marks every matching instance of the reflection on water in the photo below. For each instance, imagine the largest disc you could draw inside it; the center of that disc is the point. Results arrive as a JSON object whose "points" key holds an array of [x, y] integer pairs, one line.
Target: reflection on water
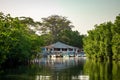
{"points": [[64, 69], [40, 77], [61, 68], [80, 77], [61, 63]]}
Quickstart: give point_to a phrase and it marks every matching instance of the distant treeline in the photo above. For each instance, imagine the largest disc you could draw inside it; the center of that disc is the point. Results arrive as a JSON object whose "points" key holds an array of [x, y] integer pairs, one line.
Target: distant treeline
{"points": [[103, 42]]}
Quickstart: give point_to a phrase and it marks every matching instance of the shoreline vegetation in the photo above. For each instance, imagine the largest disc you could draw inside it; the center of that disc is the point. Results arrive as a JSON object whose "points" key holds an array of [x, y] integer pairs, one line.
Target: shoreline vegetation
{"points": [[103, 42], [21, 38]]}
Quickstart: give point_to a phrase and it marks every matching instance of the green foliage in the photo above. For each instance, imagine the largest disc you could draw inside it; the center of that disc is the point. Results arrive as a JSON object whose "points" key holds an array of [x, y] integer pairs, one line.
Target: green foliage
{"points": [[71, 37], [116, 38], [55, 24], [104, 41], [17, 43], [58, 28]]}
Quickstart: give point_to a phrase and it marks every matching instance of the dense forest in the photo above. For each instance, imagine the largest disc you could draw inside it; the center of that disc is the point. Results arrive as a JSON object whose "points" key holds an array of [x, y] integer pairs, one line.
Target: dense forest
{"points": [[21, 38], [103, 42], [18, 43]]}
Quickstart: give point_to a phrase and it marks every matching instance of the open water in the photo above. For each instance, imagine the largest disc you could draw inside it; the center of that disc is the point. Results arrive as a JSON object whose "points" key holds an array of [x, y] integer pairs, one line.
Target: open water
{"points": [[64, 69]]}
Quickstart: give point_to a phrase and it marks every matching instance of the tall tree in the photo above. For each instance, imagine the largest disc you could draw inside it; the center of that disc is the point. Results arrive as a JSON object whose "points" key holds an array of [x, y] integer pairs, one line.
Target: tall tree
{"points": [[116, 38], [55, 24]]}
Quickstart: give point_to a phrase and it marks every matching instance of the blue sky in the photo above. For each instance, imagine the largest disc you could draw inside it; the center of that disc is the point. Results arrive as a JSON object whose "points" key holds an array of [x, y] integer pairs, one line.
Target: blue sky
{"points": [[83, 14]]}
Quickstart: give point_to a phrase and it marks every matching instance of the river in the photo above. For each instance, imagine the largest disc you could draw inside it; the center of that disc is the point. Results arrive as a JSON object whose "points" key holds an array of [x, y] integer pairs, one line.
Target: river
{"points": [[64, 69]]}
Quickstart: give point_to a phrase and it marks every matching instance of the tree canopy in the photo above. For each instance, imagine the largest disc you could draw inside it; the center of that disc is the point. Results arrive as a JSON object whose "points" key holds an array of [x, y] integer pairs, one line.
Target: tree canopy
{"points": [[17, 42], [54, 25], [104, 40]]}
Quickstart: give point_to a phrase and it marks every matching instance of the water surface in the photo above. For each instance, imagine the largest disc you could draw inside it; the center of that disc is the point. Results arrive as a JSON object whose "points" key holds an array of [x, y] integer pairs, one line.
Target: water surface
{"points": [[64, 69]]}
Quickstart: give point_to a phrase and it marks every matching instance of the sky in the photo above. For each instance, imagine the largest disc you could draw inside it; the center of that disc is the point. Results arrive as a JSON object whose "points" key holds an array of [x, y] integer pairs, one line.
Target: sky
{"points": [[83, 14]]}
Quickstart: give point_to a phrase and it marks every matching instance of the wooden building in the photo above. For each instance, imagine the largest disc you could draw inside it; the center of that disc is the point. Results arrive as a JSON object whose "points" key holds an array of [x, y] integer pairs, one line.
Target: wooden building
{"points": [[60, 49]]}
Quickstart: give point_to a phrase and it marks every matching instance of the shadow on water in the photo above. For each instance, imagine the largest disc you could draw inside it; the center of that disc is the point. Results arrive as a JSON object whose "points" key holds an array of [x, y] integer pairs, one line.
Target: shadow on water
{"points": [[64, 69]]}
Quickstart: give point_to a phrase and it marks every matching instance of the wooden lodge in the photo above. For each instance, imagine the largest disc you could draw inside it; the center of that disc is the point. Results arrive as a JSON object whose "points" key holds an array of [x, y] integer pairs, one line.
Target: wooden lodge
{"points": [[60, 49]]}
